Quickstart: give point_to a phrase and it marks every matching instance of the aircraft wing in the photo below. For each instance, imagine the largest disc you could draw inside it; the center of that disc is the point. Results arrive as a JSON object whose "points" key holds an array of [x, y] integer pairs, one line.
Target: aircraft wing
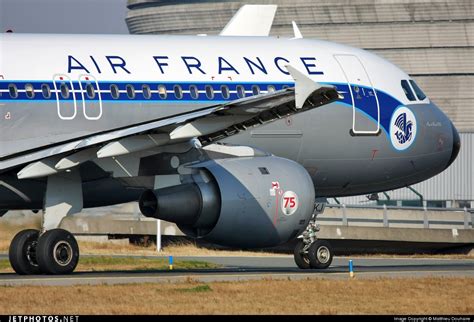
{"points": [[209, 125]]}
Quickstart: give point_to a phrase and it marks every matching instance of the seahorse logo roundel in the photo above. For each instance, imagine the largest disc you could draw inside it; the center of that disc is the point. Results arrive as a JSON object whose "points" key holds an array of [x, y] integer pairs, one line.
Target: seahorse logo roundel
{"points": [[402, 128]]}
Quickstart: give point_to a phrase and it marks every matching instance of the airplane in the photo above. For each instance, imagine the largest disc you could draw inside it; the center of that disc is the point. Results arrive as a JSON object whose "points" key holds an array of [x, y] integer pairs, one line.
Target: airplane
{"points": [[236, 137]]}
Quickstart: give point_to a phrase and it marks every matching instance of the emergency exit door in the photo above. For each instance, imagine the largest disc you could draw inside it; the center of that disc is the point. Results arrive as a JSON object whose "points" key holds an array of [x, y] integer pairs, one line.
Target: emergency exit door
{"points": [[91, 97], [65, 97]]}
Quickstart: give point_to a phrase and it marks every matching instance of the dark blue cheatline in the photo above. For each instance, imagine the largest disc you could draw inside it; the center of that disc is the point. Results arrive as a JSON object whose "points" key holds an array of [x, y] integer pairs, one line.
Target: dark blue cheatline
{"points": [[116, 92]]}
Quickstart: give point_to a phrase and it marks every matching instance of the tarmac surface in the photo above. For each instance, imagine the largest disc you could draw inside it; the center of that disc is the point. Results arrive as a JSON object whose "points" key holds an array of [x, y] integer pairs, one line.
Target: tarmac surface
{"points": [[256, 268]]}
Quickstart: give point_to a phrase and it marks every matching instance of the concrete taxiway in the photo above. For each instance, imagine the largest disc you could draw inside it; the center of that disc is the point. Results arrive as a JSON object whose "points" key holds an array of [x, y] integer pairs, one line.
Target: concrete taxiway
{"points": [[236, 268]]}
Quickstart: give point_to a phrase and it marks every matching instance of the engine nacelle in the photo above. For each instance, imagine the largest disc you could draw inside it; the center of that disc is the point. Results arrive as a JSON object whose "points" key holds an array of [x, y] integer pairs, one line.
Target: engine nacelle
{"points": [[240, 202]]}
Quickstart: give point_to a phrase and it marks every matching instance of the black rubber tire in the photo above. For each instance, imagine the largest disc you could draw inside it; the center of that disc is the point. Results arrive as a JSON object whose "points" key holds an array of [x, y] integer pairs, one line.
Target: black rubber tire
{"points": [[320, 254], [22, 252], [57, 252], [301, 260]]}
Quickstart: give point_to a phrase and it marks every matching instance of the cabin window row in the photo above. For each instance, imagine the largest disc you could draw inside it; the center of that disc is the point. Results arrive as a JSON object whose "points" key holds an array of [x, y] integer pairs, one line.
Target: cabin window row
{"points": [[90, 91]]}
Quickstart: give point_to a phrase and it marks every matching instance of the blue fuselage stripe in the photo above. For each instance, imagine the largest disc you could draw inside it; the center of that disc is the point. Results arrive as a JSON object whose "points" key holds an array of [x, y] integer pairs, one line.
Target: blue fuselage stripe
{"points": [[364, 97]]}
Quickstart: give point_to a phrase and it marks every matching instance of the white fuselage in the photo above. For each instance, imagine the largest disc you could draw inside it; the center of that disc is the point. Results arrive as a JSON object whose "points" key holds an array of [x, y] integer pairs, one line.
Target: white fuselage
{"points": [[349, 146]]}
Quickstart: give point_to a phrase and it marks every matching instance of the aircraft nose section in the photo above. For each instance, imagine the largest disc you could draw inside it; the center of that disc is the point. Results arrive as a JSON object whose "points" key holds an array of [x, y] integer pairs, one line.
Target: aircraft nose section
{"points": [[456, 145]]}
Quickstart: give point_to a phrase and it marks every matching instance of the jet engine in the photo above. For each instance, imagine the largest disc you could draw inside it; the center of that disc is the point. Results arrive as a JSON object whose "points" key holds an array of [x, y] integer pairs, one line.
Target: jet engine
{"points": [[240, 202]]}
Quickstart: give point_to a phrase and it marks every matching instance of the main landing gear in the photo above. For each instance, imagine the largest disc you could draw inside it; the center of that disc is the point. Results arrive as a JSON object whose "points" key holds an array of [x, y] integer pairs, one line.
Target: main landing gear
{"points": [[54, 252], [311, 252]]}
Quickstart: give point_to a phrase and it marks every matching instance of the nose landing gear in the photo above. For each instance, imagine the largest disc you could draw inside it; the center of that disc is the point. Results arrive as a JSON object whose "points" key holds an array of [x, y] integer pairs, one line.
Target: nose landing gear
{"points": [[311, 252], [54, 252], [320, 254]]}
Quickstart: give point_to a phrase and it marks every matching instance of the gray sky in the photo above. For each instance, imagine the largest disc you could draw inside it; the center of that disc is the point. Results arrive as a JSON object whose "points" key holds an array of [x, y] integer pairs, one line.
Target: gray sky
{"points": [[64, 16]]}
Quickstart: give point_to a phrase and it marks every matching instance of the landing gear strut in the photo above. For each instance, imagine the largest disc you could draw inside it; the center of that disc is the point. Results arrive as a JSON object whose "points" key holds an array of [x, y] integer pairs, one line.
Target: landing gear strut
{"points": [[311, 252], [54, 252]]}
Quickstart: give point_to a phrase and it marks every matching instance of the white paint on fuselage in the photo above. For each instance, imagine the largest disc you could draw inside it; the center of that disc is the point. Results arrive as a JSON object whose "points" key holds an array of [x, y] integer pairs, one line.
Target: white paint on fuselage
{"points": [[39, 57]]}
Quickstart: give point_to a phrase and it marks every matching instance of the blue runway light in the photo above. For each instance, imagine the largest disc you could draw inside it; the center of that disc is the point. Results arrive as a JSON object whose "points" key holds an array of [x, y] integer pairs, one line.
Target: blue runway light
{"points": [[351, 269]]}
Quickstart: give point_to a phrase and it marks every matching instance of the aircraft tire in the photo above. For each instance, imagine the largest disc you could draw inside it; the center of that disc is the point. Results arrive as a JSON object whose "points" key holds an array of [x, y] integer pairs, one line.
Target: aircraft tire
{"points": [[320, 254], [22, 252], [301, 260], [57, 252]]}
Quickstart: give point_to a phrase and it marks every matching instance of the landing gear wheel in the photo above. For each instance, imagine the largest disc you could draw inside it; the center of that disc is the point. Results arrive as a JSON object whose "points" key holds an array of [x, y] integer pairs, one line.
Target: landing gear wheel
{"points": [[22, 252], [57, 252], [320, 254], [301, 258]]}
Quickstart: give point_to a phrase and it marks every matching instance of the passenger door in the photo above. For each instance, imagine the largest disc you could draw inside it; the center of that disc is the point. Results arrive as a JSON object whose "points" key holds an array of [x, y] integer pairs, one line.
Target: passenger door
{"points": [[365, 104]]}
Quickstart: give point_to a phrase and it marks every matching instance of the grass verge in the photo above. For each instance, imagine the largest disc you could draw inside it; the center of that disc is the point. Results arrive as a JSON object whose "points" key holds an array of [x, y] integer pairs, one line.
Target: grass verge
{"points": [[430, 295], [108, 263], [182, 248]]}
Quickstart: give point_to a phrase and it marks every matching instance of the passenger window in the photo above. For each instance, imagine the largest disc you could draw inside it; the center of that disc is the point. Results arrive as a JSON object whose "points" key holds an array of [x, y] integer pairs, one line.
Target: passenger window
{"points": [[255, 90], [209, 92], [162, 91], [285, 87], [178, 92], [240, 91], [90, 91], [114, 91], [193, 91], [13, 91], [46, 90], [271, 88], [225, 92], [130, 91], [408, 92], [419, 93], [64, 88], [30, 91], [146, 92]]}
